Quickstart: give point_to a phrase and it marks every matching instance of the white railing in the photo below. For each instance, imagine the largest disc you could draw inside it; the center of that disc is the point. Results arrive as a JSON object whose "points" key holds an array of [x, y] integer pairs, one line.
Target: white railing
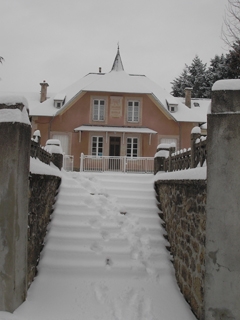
{"points": [[68, 162], [117, 164]]}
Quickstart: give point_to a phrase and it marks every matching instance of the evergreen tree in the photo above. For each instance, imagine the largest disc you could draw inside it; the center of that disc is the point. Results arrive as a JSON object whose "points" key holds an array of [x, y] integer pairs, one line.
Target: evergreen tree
{"points": [[194, 76], [179, 84], [233, 61], [218, 69]]}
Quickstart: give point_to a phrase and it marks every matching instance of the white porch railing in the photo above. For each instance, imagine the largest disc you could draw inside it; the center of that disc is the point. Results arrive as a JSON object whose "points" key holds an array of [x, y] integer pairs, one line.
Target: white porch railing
{"points": [[68, 162], [117, 164]]}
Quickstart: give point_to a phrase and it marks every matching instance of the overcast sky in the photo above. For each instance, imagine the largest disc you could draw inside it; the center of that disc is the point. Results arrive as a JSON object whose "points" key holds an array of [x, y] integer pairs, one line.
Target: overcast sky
{"points": [[60, 41]]}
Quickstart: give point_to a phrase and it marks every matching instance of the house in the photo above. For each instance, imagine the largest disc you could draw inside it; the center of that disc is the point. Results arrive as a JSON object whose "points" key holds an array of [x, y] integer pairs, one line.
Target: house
{"points": [[114, 114]]}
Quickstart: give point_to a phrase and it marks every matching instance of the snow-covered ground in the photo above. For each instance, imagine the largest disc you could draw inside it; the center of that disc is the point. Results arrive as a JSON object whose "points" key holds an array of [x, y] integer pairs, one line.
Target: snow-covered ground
{"points": [[105, 255]]}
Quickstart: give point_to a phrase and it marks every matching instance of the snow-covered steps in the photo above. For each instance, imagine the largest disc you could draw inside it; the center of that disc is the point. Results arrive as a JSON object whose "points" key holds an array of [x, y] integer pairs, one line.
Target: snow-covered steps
{"points": [[100, 264], [105, 222]]}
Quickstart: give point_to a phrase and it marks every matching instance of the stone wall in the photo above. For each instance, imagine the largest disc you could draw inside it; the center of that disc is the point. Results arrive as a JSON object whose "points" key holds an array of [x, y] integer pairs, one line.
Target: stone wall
{"points": [[183, 205], [42, 193]]}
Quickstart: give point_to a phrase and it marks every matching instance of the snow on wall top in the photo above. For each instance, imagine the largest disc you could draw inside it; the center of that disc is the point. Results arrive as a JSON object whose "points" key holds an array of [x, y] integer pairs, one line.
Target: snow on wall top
{"points": [[196, 130], [199, 173], [228, 84], [14, 115], [11, 100]]}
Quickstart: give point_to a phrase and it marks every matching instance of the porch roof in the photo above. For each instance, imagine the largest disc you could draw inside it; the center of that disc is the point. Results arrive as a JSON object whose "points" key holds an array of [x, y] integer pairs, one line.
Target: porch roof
{"points": [[115, 129]]}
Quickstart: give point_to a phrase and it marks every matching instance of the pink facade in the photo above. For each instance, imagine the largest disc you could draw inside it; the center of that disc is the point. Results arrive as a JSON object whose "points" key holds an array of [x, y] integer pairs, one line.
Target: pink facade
{"points": [[114, 114]]}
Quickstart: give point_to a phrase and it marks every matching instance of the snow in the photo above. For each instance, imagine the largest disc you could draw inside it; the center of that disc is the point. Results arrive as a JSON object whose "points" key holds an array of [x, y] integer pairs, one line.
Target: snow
{"points": [[117, 81], [115, 129], [60, 96], [99, 264], [121, 82], [199, 173], [163, 146], [204, 126], [162, 153], [38, 167], [14, 115], [13, 100], [37, 133], [196, 130], [229, 84]]}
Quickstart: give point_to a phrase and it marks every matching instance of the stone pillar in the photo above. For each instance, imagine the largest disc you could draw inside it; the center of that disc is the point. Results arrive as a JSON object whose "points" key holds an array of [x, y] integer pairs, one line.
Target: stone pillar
{"points": [[222, 278], [160, 157], [15, 135], [171, 150], [195, 134]]}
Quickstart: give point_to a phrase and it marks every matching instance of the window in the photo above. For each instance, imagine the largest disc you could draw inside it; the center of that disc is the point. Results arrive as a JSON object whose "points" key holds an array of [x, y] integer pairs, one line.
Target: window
{"points": [[98, 109], [97, 146], [133, 111], [132, 147], [59, 100]]}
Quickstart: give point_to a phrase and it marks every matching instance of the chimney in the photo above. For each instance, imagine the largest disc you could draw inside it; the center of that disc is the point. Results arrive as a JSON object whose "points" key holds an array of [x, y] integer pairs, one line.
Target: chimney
{"points": [[188, 97], [43, 92], [100, 70]]}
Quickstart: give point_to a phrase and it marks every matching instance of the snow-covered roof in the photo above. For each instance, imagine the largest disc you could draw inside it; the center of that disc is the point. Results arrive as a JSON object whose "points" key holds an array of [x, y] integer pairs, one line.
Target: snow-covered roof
{"points": [[115, 129], [199, 109], [118, 81], [60, 96]]}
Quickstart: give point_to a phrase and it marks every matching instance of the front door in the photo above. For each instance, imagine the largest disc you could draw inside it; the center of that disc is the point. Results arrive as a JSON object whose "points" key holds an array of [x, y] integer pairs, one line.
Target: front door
{"points": [[114, 151]]}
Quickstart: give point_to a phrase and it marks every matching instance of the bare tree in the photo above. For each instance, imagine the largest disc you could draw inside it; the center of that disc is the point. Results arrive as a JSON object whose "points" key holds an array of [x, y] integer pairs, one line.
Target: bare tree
{"points": [[231, 28]]}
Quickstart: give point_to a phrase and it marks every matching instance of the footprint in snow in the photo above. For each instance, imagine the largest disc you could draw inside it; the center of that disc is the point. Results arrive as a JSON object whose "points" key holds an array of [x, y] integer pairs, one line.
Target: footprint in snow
{"points": [[108, 263], [95, 223], [105, 235], [96, 247]]}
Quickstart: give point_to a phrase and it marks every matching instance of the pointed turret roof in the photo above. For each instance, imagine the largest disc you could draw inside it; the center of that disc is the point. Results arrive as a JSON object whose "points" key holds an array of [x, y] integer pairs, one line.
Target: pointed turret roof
{"points": [[117, 64]]}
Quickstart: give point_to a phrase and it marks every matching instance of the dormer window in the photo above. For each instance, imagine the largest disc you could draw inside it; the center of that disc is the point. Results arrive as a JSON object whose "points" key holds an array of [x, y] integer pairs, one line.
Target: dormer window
{"points": [[59, 100], [58, 104], [172, 106]]}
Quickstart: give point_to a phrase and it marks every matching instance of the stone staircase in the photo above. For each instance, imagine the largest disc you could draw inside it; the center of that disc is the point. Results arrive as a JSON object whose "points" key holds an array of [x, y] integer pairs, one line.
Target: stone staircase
{"points": [[89, 236]]}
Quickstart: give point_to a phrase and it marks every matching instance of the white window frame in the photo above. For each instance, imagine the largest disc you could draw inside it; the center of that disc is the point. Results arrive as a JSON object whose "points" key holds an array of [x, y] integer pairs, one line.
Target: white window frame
{"points": [[98, 109], [133, 111], [133, 151], [98, 146]]}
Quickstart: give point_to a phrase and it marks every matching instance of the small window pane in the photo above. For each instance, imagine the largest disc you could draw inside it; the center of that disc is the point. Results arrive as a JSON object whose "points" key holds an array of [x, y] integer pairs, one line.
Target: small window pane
{"points": [[132, 147], [133, 111], [98, 110], [97, 146]]}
